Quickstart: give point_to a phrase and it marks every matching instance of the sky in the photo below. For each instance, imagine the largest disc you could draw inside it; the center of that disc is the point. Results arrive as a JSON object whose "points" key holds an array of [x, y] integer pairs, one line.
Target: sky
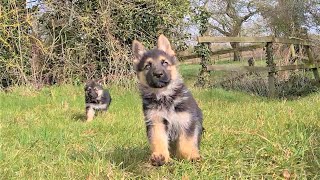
{"points": [[31, 3]]}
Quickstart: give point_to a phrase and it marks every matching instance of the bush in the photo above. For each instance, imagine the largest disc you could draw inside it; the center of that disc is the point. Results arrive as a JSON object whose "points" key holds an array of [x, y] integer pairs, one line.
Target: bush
{"points": [[71, 41], [297, 85]]}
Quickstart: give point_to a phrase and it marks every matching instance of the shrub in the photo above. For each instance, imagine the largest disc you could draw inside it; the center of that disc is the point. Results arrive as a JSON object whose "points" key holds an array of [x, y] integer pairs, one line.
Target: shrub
{"points": [[297, 85], [71, 41]]}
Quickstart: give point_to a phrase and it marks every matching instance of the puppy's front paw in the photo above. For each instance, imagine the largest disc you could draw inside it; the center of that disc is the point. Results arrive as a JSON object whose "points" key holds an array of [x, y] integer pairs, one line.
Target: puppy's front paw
{"points": [[89, 119], [158, 159], [195, 158]]}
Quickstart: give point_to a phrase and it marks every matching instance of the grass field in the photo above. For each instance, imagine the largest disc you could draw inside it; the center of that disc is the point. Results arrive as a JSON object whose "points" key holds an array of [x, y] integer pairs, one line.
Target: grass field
{"points": [[43, 136]]}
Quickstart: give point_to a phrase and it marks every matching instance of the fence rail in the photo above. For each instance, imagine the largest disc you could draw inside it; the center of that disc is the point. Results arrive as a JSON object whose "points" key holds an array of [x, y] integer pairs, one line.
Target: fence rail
{"points": [[209, 39], [259, 69], [184, 57]]}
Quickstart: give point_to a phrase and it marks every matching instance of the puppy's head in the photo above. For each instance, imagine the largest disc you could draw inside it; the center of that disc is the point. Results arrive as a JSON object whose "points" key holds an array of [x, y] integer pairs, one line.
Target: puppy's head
{"points": [[93, 89], [155, 68]]}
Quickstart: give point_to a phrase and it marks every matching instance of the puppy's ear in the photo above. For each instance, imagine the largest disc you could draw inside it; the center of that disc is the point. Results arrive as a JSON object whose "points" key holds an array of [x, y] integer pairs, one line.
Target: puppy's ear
{"points": [[164, 45], [138, 50]]}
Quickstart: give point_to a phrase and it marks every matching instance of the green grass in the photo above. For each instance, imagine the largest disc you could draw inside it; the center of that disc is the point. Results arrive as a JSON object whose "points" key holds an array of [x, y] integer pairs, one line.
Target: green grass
{"points": [[42, 136]]}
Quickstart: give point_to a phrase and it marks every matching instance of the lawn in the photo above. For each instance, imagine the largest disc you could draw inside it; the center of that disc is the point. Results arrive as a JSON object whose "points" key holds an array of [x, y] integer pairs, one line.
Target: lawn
{"points": [[43, 136]]}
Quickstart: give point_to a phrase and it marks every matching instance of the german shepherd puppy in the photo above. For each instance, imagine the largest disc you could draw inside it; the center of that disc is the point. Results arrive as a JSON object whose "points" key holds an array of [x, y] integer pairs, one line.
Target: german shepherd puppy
{"points": [[96, 98], [172, 116]]}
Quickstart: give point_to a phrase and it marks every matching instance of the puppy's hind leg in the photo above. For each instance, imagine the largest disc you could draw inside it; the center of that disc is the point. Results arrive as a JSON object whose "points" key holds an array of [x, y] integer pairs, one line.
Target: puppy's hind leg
{"points": [[90, 113], [188, 146]]}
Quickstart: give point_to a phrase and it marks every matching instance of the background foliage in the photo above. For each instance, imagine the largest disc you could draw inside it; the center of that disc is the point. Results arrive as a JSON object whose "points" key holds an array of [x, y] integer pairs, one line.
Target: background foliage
{"points": [[70, 41]]}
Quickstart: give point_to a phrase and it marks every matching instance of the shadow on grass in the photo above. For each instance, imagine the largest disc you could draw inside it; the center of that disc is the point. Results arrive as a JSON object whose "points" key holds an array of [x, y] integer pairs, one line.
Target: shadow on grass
{"points": [[129, 158], [79, 117]]}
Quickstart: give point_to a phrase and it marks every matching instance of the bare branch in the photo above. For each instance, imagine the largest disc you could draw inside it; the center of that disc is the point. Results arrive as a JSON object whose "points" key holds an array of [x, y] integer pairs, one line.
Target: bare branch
{"points": [[230, 10], [246, 17], [224, 32]]}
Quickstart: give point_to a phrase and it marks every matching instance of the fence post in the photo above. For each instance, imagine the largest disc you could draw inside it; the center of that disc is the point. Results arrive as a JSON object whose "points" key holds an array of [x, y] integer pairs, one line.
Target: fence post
{"points": [[314, 70], [204, 50], [271, 72]]}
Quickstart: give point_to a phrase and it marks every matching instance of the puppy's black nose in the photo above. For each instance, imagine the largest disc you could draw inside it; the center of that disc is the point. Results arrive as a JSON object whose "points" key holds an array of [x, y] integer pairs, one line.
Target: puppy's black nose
{"points": [[158, 74]]}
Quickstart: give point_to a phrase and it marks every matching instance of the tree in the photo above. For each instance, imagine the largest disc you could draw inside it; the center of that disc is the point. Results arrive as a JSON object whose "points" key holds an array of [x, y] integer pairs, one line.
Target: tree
{"points": [[313, 13], [290, 17], [228, 16]]}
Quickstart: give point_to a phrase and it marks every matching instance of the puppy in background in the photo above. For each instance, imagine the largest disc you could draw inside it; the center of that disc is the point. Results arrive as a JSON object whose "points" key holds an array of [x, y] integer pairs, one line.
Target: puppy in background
{"points": [[96, 98]]}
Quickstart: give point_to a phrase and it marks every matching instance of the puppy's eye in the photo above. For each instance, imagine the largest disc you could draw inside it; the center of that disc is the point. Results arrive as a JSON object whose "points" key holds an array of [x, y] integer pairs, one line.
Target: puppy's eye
{"points": [[164, 63], [147, 66]]}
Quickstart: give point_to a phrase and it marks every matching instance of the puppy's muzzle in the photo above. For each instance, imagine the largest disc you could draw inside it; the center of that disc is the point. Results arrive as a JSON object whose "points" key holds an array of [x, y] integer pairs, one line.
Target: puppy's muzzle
{"points": [[158, 74]]}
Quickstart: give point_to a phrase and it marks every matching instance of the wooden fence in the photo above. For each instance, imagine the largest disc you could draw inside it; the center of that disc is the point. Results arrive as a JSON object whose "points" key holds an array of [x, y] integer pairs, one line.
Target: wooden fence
{"points": [[185, 57], [266, 42]]}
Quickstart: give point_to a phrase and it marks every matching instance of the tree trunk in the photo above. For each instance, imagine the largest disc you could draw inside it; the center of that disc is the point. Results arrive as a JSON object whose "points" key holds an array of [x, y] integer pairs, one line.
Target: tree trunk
{"points": [[236, 53]]}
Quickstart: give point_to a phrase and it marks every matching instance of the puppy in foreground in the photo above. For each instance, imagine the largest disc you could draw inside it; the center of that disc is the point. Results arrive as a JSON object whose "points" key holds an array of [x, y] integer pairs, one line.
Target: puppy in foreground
{"points": [[172, 116], [97, 99]]}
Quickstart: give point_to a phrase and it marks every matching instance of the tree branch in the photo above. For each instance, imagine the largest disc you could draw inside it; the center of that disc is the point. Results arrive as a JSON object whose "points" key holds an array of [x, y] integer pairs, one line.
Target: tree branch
{"points": [[246, 17], [251, 13], [225, 33], [230, 10]]}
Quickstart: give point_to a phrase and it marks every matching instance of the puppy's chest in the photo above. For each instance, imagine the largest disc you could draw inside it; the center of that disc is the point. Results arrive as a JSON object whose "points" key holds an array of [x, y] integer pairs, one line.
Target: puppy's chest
{"points": [[165, 104], [168, 109], [96, 104]]}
